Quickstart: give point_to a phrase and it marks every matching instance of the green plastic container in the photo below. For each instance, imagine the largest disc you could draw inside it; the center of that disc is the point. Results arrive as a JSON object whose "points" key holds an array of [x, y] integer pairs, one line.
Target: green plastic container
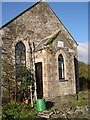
{"points": [[40, 104]]}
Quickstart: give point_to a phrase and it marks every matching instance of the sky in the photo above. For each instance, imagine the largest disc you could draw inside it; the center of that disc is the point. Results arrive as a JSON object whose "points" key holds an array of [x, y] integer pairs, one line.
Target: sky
{"points": [[74, 16]]}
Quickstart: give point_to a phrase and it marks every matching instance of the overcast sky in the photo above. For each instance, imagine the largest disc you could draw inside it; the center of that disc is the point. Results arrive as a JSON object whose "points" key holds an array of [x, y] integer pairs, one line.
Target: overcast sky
{"points": [[74, 15]]}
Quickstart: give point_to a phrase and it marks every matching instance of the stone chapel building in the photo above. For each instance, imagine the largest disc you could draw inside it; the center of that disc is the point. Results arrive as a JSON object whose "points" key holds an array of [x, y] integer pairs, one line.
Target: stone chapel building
{"points": [[55, 50]]}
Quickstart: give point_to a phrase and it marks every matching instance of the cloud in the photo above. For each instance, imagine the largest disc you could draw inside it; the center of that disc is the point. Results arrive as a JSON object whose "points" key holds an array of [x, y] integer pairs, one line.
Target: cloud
{"points": [[83, 52]]}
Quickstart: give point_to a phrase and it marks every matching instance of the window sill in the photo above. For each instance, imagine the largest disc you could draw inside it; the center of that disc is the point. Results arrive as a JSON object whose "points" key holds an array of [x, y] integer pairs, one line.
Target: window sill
{"points": [[62, 80]]}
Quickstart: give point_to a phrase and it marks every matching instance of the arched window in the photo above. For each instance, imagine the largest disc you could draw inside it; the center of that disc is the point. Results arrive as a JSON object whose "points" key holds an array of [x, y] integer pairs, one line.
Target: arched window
{"points": [[61, 66], [20, 55]]}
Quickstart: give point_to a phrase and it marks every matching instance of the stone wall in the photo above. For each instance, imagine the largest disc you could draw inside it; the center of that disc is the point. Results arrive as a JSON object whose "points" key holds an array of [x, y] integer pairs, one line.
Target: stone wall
{"points": [[52, 86], [34, 25]]}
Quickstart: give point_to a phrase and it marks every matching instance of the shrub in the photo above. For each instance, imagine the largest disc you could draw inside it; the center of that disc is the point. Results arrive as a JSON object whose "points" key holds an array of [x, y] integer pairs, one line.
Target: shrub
{"points": [[17, 111]]}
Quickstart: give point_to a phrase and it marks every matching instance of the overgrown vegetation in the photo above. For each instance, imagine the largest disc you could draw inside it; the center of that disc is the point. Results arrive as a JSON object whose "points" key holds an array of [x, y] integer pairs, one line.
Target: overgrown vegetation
{"points": [[84, 80], [82, 98], [21, 107], [24, 81], [18, 111]]}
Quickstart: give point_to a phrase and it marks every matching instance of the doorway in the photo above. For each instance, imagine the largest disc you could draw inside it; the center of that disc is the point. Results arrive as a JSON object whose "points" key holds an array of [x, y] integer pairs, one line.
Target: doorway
{"points": [[39, 81]]}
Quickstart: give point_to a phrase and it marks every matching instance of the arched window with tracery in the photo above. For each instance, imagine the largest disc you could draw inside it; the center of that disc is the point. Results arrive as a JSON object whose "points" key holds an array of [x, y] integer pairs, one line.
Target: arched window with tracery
{"points": [[20, 55], [61, 67]]}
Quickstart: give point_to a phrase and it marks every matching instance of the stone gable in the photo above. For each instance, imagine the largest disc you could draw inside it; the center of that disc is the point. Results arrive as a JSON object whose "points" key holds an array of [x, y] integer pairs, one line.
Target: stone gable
{"points": [[38, 18], [39, 25]]}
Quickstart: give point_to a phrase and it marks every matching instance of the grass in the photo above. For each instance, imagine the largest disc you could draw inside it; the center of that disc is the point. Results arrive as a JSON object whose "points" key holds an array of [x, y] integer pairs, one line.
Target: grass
{"points": [[82, 98]]}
